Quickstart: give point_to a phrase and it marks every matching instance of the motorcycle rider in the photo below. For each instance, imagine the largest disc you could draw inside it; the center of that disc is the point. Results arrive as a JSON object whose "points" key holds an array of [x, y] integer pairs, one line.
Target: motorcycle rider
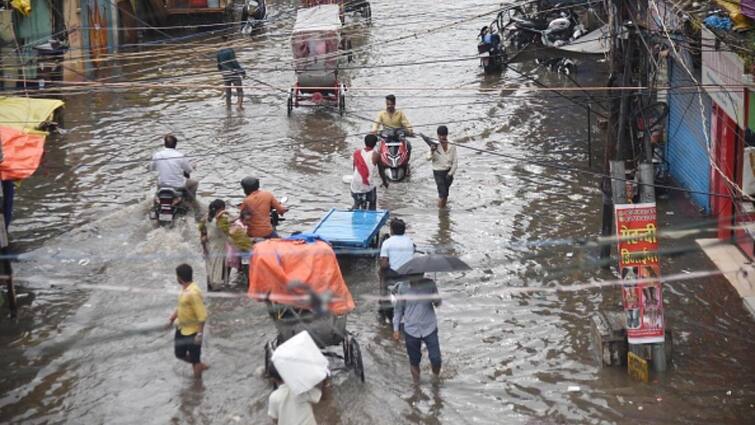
{"points": [[392, 118], [366, 163], [255, 210], [173, 169]]}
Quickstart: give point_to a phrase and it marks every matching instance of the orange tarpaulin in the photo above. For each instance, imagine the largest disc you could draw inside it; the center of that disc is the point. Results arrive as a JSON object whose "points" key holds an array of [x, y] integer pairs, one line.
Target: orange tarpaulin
{"points": [[276, 263], [22, 153]]}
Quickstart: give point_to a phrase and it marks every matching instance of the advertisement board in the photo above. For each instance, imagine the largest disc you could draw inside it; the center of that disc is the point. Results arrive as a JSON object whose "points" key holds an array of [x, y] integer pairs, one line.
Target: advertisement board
{"points": [[639, 265]]}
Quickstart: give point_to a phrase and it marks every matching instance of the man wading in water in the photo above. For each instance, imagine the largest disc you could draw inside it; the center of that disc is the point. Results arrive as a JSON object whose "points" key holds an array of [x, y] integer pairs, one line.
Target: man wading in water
{"points": [[191, 315], [417, 300], [232, 72], [445, 162]]}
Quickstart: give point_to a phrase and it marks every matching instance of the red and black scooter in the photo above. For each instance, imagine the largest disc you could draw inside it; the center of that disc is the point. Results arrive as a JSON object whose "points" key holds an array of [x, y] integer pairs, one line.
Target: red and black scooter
{"points": [[395, 152]]}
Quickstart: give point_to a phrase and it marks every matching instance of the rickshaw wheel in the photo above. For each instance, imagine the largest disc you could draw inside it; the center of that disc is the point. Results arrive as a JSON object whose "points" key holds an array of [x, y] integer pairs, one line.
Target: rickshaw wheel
{"points": [[245, 276], [383, 238], [226, 275], [268, 358], [341, 104], [346, 345], [289, 106], [356, 358]]}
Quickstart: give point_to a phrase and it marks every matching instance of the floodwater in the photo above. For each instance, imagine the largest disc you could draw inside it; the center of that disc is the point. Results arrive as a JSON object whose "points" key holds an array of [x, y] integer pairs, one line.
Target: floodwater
{"points": [[84, 352]]}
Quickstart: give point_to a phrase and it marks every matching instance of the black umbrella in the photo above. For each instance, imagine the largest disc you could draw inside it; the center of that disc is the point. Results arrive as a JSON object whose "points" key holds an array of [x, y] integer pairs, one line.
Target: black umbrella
{"points": [[433, 264]]}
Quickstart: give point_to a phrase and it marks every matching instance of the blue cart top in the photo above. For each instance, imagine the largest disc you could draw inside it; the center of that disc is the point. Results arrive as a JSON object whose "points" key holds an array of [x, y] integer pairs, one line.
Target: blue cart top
{"points": [[350, 228]]}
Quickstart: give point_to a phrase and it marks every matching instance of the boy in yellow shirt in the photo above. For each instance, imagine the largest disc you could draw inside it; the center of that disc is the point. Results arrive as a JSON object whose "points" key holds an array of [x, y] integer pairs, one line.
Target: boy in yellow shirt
{"points": [[192, 315]]}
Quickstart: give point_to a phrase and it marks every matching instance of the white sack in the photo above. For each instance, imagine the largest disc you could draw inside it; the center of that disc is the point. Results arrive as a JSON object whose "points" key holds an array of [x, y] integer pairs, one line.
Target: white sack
{"points": [[300, 363]]}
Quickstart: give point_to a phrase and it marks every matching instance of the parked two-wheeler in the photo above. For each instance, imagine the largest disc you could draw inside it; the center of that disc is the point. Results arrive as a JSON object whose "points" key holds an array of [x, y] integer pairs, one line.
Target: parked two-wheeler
{"points": [[252, 15], [358, 7], [551, 30], [491, 51]]}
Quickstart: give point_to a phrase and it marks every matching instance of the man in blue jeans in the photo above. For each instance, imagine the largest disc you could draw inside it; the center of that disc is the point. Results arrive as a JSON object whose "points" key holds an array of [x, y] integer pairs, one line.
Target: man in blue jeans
{"points": [[416, 302]]}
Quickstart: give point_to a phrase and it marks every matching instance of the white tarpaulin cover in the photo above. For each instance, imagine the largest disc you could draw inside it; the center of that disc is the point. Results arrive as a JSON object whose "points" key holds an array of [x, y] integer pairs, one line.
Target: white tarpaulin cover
{"points": [[593, 43], [326, 17], [300, 363]]}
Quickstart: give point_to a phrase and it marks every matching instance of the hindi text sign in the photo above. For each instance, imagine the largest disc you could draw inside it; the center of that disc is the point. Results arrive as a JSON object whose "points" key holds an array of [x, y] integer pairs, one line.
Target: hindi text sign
{"points": [[640, 268]]}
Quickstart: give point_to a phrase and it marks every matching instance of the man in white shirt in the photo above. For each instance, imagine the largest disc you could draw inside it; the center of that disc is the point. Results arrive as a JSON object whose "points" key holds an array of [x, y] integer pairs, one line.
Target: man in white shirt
{"points": [[445, 162], [395, 252], [173, 168], [287, 408], [365, 164]]}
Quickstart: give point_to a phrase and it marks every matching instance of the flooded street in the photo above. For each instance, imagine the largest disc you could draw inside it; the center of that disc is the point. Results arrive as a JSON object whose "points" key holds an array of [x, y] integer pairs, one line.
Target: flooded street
{"points": [[83, 351]]}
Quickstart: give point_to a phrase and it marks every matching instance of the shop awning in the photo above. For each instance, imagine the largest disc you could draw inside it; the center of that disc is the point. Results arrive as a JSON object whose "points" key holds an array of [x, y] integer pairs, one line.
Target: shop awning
{"points": [[26, 113], [22, 153], [23, 142]]}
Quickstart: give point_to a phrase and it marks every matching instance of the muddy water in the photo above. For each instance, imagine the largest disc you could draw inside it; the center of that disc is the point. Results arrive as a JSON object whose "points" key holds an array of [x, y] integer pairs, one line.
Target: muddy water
{"points": [[85, 355]]}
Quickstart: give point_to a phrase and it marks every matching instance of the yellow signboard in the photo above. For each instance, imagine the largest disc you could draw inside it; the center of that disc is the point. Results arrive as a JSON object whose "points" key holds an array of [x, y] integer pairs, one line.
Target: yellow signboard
{"points": [[637, 367]]}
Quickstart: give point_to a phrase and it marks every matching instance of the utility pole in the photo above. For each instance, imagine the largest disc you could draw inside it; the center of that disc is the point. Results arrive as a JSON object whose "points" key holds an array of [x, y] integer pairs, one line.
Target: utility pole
{"points": [[6, 270], [641, 320], [616, 20], [626, 59], [647, 195]]}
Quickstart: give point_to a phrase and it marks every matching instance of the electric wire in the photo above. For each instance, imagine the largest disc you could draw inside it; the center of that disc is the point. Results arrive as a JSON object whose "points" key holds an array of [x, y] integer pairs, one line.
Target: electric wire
{"points": [[575, 289]]}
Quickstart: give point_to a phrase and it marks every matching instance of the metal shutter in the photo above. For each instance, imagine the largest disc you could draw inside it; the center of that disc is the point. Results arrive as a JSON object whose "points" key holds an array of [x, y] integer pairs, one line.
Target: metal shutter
{"points": [[687, 151]]}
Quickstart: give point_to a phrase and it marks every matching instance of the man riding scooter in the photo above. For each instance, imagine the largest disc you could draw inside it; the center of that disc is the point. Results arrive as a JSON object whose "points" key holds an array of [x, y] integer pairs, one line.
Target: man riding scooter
{"points": [[395, 151], [173, 176], [255, 210], [393, 119], [173, 169]]}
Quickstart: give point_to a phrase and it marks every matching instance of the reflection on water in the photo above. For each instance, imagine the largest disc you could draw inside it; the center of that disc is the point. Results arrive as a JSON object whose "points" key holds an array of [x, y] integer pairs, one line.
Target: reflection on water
{"points": [[191, 398], [425, 408], [442, 241], [79, 355]]}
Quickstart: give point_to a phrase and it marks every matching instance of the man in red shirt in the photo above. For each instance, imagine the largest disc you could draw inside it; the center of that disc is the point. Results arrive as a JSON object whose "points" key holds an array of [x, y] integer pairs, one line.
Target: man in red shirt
{"points": [[255, 210]]}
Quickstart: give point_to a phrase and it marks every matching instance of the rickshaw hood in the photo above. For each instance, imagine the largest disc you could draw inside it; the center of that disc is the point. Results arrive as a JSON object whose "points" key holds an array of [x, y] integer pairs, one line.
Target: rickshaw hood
{"points": [[276, 263]]}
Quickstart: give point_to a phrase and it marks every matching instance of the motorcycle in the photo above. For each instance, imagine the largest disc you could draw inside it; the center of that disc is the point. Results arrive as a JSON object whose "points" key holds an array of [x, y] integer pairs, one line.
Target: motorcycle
{"points": [[358, 7], [168, 204], [276, 218], [395, 152], [252, 15], [491, 51], [550, 31], [244, 256]]}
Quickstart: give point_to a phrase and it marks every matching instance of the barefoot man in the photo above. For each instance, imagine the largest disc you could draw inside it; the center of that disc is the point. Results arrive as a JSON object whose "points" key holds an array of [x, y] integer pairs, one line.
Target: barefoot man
{"points": [[192, 315]]}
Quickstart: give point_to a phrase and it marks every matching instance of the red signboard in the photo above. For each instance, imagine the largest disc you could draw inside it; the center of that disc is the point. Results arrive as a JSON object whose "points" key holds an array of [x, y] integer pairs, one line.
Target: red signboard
{"points": [[640, 268]]}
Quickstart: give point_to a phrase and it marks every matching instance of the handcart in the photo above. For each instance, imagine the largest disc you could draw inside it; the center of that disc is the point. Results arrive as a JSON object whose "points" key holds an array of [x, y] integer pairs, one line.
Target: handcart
{"points": [[352, 232], [301, 283]]}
